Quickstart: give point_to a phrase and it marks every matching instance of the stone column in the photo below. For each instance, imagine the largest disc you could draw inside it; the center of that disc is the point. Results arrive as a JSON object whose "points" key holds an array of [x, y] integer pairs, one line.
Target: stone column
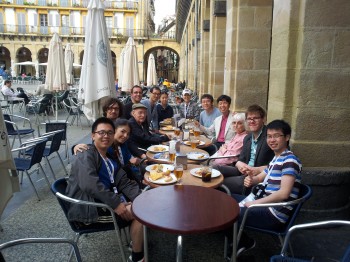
{"points": [[204, 48], [310, 75], [247, 52], [216, 53]]}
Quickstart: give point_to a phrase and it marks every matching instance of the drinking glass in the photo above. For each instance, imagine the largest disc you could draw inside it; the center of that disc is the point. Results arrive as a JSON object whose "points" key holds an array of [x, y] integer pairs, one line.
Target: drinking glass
{"points": [[194, 143], [172, 150], [178, 172], [196, 132], [177, 131], [206, 173]]}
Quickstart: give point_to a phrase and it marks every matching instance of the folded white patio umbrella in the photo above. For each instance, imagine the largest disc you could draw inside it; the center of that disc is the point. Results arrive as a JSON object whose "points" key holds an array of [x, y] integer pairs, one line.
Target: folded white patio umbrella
{"points": [[56, 73], [68, 63], [97, 78], [130, 66], [37, 69], [151, 71], [120, 68]]}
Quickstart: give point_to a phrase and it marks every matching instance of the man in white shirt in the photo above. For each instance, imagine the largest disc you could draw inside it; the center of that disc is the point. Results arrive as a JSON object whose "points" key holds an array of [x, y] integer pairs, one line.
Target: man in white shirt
{"points": [[10, 93]]}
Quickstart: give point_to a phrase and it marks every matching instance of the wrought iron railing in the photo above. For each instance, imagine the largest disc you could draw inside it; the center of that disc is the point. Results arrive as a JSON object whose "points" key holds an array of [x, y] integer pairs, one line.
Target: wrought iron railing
{"points": [[126, 5], [68, 31]]}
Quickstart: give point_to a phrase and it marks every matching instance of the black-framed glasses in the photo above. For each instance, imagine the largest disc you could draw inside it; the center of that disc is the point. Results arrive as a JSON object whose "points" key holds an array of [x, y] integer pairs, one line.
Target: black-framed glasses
{"points": [[113, 108], [104, 133], [157, 94], [253, 119], [274, 136]]}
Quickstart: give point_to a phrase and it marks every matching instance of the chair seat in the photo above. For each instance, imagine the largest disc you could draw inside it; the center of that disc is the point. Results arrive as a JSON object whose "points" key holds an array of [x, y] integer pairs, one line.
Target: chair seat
{"points": [[22, 163], [20, 132]]}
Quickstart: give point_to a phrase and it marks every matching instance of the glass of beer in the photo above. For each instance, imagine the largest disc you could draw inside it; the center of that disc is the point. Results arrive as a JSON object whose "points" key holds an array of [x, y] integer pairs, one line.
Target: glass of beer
{"points": [[178, 172], [196, 132], [194, 143], [177, 131], [172, 150]]}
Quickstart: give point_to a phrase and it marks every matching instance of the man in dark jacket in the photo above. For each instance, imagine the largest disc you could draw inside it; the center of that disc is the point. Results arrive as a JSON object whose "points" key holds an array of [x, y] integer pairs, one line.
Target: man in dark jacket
{"points": [[255, 154], [136, 96], [140, 136], [97, 177]]}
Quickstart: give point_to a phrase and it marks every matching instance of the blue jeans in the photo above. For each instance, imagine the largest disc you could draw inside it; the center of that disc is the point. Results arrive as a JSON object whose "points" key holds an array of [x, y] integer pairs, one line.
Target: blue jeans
{"points": [[258, 217]]}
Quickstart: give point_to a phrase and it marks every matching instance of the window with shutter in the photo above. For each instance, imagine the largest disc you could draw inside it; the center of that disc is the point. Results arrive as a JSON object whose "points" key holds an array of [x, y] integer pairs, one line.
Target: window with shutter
{"points": [[2, 28], [130, 26], [21, 22]]}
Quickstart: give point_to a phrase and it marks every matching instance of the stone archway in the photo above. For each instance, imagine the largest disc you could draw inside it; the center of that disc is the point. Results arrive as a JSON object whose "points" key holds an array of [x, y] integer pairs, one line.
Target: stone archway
{"points": [[43, 55], [167, 62], [5, 61], [23, 55]]}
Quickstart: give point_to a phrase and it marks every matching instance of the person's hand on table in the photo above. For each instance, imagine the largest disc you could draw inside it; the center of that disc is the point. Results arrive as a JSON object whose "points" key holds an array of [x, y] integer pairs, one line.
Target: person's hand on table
{"points": [[124, 211], [80, 148]]}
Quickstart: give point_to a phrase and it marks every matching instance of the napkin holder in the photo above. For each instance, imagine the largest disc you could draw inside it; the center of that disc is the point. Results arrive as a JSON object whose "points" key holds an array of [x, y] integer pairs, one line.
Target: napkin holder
{"points": [[182, 159]]}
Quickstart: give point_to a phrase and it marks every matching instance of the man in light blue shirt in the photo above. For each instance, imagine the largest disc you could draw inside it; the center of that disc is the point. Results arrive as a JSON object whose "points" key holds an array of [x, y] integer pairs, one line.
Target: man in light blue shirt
{"points": [[210, 112]]}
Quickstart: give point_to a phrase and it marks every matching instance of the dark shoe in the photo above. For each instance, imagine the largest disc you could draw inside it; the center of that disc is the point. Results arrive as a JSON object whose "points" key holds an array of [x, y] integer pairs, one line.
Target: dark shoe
{"points": [[245, 245]]}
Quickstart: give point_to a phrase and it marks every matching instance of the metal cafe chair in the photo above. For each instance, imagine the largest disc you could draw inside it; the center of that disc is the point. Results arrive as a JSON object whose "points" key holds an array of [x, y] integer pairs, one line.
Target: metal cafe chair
{"points": [[24, 163], [55, 143], [304, 194], [24, 241], [13, 130], [54, 126], [314, 229], [59, 190]]}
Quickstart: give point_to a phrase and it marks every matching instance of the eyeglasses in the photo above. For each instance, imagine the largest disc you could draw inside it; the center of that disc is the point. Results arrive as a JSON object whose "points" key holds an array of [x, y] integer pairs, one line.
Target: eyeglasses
{"points": [[156, 94], [253, 119], [137, 93], [113, 108], [104, 133], [274, 136]]}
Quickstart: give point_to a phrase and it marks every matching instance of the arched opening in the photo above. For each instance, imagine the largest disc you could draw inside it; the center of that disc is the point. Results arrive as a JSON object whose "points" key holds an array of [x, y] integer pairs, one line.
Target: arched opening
{"points": [[5, 62], [43, 55], [167, 62], [24, 55]]}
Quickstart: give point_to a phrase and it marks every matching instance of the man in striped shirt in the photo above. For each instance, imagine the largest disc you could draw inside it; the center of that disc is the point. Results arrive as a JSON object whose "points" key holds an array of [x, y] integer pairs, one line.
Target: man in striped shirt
{"points": [[281, 180]]}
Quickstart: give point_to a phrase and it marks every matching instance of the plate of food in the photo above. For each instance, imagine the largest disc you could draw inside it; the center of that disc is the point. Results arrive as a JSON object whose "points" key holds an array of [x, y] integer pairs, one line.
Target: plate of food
{"points": [[197, 172], [197, 156], [188, 143], [167, 128], [160, 167], [166, 121], [161, 178], [158, 149]]}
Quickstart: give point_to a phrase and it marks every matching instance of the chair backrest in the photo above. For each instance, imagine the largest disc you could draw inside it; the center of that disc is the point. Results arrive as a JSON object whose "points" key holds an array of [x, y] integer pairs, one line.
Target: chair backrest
{"points": [[9, 126], [56, 142], [20, 89], [38, 151], [53, 126], [68, 106], [63, 96], [60, 186]]}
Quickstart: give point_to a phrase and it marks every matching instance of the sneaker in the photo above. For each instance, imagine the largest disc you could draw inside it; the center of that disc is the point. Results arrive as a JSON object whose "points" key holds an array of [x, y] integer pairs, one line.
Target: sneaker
{"points": [[130, 260], [245, 245]]}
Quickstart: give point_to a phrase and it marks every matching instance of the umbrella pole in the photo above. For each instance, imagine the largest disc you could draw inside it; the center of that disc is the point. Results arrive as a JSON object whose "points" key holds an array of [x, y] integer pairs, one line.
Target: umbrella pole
{"points": [[56, 105]]}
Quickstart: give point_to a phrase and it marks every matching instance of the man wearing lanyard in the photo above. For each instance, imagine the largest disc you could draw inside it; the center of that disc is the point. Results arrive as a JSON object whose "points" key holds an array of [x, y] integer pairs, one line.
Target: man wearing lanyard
{"points": [[189, 109], [95, 176], [255, 155]]}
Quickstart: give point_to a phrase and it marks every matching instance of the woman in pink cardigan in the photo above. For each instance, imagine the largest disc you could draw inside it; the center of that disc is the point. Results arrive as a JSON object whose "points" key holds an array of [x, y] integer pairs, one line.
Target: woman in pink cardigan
{"points": [[235, 145]]}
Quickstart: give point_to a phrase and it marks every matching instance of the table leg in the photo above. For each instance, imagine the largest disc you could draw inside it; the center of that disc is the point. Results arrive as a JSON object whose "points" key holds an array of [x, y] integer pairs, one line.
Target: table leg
{"points": [[145, 243], [179, 249], [234, 246]]}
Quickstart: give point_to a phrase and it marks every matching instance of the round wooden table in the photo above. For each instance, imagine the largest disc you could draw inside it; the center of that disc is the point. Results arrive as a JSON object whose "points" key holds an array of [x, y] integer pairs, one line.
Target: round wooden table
{"points": [[183, 150], [184, 209], [188, 179], [207, 141]]}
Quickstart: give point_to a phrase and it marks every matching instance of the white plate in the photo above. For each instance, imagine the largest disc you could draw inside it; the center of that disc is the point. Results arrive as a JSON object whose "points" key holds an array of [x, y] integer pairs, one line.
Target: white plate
{"points": [[188, 143], [162, 182], [167, 128], [152, 149], [165, 167], [197, 156], [214, 172]]}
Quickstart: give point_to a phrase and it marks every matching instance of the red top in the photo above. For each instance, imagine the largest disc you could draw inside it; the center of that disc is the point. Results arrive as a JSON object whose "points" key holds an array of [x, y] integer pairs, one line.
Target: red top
{"points": [[221, 136]]}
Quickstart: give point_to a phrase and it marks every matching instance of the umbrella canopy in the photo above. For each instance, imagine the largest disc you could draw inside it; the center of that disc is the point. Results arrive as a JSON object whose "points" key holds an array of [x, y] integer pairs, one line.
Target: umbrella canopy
{"points": [[130, 66], [26, 63], [151, 71], [97, 78], [120, 69], [68, 63], [56, 73]]}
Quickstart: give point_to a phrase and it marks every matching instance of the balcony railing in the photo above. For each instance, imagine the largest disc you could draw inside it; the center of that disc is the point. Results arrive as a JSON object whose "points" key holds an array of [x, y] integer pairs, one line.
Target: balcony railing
{"points": [[125, 5], [68, 31]]}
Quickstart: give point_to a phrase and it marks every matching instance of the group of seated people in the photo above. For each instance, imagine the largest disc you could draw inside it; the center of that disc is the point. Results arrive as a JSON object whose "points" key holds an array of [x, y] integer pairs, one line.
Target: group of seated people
{"points": [[107, 170]]}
